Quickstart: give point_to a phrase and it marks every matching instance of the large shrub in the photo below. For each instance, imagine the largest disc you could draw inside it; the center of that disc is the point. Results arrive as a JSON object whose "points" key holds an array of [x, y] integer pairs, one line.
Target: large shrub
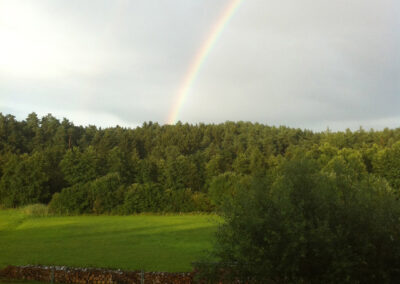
{"points": [[101, 195], [184, 200], [151, 197], [148, 197], [107, 193], [223, 188], [305, 225], [72, 200], [386, 163], [25, 180], [36, 210], [80, 166]]}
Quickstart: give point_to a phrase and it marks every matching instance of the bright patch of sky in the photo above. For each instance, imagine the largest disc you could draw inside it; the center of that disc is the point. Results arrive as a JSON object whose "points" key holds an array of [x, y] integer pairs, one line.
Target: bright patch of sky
{"points": [[308, 64]]}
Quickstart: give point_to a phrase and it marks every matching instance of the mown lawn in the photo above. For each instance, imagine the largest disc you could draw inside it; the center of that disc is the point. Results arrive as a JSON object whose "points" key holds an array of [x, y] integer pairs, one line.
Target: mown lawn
{"points": [[140, 242]]}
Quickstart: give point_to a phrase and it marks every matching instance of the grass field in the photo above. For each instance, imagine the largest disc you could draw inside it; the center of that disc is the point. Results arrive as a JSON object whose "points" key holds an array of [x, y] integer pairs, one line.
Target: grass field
{"points": [[140, 242]]}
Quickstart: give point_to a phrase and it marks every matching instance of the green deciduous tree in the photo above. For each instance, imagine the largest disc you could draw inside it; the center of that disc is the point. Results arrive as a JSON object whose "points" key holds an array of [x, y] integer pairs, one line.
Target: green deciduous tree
{"points": [[387, 164], [79, 167], [298, 228], [148, 197], [25, 180]]}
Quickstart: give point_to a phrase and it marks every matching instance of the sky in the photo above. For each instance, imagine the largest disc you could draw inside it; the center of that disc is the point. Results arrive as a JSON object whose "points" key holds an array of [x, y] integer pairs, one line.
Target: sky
{"points": [[301, 63]]}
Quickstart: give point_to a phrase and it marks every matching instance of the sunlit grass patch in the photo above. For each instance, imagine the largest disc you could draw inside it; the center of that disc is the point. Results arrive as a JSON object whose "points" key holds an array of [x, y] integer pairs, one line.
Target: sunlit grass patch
{"points": [[148, 242], [36, 210]]}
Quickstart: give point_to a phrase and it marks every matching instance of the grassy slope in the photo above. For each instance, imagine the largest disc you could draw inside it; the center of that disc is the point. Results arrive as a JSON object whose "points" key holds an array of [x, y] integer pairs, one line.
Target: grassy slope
{"points": [[148, 242]]}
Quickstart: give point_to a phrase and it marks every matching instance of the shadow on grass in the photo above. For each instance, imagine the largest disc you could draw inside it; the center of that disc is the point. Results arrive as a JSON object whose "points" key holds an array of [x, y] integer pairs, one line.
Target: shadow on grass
{"points": [[168, 247]]}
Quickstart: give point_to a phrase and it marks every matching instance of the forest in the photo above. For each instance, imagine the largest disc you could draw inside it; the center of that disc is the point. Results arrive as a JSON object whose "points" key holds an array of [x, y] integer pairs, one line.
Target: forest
{"points": [[172, 168]]}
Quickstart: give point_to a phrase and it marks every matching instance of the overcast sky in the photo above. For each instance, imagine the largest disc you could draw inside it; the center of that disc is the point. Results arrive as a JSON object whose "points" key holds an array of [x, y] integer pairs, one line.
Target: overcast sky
{"points": [[301, 63]]}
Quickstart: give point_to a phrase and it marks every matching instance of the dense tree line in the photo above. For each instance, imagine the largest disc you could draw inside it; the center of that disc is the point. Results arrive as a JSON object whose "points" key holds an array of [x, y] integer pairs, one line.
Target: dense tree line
{"points": [[311, 219], [170, 168]]}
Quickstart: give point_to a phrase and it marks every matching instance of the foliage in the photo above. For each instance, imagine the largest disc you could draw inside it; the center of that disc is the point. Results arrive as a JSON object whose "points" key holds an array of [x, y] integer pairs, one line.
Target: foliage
{"points": [[386, 163], [107, 192], [186, 167], [80, 167], [72, 200], [146, 197], [305, 225], [101, 195], [299, 205], [184, 200], [150, 197], [24, 180], [223, 188], [36, 210]]}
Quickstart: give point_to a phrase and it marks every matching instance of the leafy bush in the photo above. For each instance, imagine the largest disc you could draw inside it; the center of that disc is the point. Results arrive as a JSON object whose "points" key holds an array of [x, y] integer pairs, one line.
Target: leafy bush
{"points": [[25, 180], [387, 164], [36, 210], [102, 195], [72, 200], [306, 226], [107, 193], [80, 166], [201, 202], [146, 197], [223, 187], [179, 200]]}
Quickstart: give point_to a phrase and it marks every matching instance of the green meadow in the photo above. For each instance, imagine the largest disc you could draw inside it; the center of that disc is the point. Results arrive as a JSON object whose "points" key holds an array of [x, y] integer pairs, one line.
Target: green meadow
{"points": [[139, 242]]}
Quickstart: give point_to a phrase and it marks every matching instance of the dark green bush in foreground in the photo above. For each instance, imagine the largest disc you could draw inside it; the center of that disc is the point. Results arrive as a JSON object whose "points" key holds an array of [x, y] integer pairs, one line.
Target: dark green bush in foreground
{"points": [[307, 224]]}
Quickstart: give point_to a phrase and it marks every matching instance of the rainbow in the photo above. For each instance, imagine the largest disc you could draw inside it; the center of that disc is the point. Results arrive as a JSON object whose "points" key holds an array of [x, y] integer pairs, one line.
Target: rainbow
{"points": [[199, 59]]}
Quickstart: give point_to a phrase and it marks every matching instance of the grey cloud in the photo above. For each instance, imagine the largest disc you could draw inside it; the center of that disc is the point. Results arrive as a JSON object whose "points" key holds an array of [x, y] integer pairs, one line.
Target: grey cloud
{"points": [[308, 64], [305, 63]]}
